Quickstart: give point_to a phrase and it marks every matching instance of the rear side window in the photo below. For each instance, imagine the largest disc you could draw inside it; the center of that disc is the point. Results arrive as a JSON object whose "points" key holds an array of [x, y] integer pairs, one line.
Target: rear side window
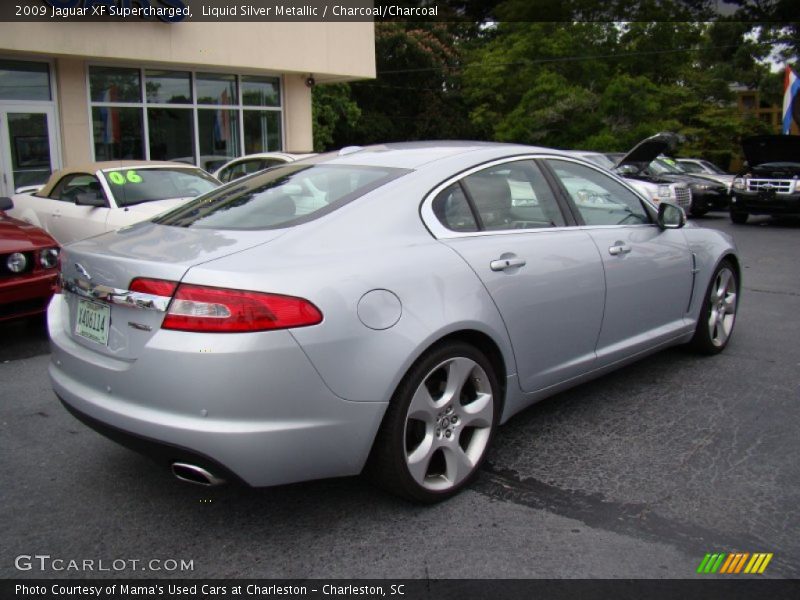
{"points": [[280, 197], [508, 196], [452, 209]]}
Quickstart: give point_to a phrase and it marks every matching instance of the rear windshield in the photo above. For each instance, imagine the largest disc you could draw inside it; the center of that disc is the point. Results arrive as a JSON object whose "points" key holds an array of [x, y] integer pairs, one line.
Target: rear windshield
{"points": [[279, 197], [134, 186]]}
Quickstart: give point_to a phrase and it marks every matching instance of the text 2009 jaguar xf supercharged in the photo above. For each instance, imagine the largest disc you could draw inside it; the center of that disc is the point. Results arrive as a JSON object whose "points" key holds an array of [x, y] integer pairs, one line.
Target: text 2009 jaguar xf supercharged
{"points": [[385, 308]]}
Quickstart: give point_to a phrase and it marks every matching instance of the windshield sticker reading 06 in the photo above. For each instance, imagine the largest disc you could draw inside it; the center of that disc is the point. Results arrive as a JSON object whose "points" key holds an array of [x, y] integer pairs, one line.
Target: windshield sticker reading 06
{"points": [[123, 177]]}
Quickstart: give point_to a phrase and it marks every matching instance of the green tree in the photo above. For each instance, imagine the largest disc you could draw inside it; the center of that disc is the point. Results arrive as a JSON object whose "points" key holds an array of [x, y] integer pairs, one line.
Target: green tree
{"points": [[333, 110]]}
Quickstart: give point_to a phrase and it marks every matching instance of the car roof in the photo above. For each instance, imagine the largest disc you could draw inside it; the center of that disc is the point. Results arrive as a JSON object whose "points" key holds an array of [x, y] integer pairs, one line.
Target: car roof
{"points": [[291, 155], [105, 165], [416, 155]]}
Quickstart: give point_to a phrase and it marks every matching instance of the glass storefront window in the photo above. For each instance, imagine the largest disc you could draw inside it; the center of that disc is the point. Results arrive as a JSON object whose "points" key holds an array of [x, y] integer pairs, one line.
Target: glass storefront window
{"points": [[260, 91], [22, 80], [262, 131], [200, 117], [171, 134], [168, 87], [115, 84], [118, 133], [216, 89], [219, 134], [30, 148]]}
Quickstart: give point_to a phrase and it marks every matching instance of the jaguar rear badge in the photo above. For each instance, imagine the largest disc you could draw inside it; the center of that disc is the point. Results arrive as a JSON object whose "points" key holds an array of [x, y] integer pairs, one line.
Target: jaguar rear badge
{"points": [[82, 271]]}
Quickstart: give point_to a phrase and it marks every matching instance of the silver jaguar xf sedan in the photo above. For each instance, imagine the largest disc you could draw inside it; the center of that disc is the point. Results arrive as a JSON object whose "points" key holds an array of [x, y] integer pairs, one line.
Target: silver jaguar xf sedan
{"points": [[382, 308]]}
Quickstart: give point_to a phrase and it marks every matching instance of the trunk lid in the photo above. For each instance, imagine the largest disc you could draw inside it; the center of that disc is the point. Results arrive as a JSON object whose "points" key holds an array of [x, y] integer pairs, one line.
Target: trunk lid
{"points": [[97, 274]]}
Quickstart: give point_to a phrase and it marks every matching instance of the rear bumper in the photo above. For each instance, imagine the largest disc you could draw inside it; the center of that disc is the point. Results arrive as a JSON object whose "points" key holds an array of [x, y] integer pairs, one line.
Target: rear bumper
{"points": [[256, 409], [25, 295], [766, 203]]}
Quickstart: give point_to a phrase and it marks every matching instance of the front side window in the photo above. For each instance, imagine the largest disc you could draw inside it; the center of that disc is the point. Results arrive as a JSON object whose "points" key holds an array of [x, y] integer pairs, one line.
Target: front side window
{"points": [[691, 167], [135, 186], [73, 185], [242, 168], [280, 197], [600, 200]]}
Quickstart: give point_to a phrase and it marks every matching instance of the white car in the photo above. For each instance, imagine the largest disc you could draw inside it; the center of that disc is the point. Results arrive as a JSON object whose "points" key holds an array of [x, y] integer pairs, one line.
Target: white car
{"points": [[252, 163], [677, 193], [698, 166], [85, 201]]}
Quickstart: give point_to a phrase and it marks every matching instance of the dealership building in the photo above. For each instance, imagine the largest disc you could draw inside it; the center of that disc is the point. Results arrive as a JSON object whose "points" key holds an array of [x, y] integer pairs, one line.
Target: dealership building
{"points": [[198, 92]]}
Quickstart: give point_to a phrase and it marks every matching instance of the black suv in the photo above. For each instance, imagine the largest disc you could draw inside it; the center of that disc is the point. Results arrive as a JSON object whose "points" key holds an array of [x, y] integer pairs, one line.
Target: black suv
{"points": [[770, 184]]}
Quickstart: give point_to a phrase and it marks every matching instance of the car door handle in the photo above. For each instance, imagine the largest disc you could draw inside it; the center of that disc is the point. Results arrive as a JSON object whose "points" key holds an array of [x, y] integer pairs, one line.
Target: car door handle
{"points": [[619, 248], [501, 264]]}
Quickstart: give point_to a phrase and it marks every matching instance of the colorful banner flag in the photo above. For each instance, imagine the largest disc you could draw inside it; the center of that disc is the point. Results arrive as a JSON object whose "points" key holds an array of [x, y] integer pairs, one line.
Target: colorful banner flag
{"points": [[790, 88]]}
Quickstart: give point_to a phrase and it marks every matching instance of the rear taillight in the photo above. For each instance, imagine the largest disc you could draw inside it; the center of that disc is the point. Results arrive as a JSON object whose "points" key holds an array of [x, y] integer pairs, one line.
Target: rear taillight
{"points": [[156, 287], [210, 309]]}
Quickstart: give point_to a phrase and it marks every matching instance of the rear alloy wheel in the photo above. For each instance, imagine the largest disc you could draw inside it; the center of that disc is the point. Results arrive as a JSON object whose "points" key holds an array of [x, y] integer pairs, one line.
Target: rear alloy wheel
{"points": [[438, 426], [718, 315], [739, 217]]}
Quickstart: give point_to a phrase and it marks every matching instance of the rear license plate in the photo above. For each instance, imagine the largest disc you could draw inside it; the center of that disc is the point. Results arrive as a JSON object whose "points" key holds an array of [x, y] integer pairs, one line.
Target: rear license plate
{"points": [[93, 321]]}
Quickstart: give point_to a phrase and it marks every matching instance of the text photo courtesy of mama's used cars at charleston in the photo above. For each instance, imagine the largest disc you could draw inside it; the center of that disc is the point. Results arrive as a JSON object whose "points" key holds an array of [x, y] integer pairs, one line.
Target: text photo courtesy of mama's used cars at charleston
{"points": [[414, 296]]}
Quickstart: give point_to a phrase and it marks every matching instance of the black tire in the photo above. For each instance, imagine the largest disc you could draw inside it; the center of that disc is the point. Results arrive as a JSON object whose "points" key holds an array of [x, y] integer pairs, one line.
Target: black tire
{"points": [[698, 212], [739, 217], [401, 436], [712, 339]]}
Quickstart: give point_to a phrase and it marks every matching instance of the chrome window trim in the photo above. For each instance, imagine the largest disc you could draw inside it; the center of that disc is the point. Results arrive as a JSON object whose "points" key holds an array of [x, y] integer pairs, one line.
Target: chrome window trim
{"points": [[440, 232], [103, 293]]}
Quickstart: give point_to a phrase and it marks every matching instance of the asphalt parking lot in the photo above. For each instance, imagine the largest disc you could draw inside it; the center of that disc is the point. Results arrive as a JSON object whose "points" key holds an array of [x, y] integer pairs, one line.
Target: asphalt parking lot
{"points": [[638, 474]]}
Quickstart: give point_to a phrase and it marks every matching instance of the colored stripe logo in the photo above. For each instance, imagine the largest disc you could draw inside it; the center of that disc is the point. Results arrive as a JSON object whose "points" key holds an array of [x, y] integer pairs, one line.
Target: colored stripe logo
{"points": [[735, 563]]}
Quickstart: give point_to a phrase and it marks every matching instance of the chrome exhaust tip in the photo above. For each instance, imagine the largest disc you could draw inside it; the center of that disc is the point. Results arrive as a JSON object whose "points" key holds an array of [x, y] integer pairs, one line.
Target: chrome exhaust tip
{"points": [[194, 474]]}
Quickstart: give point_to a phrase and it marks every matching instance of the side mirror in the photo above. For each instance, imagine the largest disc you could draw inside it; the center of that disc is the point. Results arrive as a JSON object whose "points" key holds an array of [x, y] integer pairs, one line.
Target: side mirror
{"points": [[89, 199], [6, 203], [670, 216]]}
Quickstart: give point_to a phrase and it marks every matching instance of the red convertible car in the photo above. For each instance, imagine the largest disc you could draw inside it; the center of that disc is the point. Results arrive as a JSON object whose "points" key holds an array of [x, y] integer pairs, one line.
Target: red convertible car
{"points": [[28, 266]]}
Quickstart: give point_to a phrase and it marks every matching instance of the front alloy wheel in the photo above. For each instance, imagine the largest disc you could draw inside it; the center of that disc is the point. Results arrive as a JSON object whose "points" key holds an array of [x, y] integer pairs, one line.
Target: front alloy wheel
{"points": [[718, 316], [438, 427]]}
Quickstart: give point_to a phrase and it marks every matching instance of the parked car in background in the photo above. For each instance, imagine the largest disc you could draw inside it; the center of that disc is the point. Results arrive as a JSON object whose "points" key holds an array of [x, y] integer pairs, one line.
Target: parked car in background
{"points": [[645, 163], [677, 193], [83, 201], [385, 307], [207, 162], [698, 166], [770, 184], [252, 163], [28, 266]]}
